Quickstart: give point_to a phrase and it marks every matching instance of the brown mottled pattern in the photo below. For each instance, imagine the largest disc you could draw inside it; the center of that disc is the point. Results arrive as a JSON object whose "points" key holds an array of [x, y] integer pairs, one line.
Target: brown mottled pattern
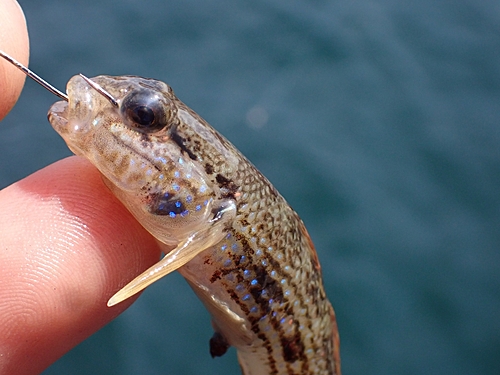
{"points": [[299, 334]]}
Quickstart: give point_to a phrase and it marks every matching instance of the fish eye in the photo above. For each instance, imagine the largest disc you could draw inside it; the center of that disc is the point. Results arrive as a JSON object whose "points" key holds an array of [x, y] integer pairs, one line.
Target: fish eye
{"points": [[145, 110]]}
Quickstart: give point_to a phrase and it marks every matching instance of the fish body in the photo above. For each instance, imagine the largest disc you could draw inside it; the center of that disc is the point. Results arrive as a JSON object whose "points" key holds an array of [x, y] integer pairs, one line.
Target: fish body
{"points": [[220, 222]]}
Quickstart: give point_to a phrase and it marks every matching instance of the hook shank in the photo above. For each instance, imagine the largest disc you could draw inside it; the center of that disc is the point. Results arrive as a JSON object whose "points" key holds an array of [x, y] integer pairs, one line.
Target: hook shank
{"points": [[34, 76]]}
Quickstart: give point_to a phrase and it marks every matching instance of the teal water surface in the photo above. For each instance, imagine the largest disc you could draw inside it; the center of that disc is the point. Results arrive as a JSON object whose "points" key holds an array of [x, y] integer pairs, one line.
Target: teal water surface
{"points": [[377, 120]]}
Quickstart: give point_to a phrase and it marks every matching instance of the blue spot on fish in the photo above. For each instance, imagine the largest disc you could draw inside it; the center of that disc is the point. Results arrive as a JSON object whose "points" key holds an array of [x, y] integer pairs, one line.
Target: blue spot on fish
{"points": [[161, 159], [240, 288]]}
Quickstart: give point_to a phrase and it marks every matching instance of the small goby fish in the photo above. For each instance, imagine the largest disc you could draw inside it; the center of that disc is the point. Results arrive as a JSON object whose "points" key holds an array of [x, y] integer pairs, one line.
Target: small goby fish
{"points": [[240, 246]]}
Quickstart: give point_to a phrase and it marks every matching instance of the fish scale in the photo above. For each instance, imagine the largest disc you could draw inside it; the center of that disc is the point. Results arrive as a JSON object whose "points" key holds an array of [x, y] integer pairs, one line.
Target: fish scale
{"points": [[240, 246], [278, 285]]}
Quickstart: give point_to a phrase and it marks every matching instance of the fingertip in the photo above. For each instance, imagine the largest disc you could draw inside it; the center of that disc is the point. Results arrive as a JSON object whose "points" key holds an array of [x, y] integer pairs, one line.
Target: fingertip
{"points": [[69, 246], [13, 41]]}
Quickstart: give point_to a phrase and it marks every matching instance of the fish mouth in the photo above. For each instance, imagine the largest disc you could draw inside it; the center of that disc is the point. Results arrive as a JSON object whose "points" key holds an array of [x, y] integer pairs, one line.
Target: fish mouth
{"points": [[71, 121], [58, 116], [73, 118]]}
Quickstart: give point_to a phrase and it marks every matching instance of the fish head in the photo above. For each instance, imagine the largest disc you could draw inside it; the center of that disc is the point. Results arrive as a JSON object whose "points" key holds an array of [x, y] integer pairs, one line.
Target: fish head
{"points": [[129, 134]]}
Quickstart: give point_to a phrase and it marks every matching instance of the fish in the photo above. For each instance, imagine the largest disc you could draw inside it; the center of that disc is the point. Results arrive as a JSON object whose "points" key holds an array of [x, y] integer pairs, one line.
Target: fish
{"points": [[219, 221]]}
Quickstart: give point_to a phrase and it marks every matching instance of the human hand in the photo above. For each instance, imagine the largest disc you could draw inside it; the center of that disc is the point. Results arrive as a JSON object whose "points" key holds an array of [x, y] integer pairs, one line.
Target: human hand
{"points": [[66, 243]]}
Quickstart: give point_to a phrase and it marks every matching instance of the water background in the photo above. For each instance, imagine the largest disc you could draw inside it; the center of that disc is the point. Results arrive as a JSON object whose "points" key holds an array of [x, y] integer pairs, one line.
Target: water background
{"points": [[377, 120]]}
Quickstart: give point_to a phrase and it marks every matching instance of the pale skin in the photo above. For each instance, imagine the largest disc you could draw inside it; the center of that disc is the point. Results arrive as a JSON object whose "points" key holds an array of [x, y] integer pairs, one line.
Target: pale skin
{"points": [[66, 243]]}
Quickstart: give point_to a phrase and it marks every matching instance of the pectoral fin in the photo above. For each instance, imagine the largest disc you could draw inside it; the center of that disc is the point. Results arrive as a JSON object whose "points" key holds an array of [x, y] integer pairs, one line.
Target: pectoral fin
{"points": [[183, 253], [170, 262]]}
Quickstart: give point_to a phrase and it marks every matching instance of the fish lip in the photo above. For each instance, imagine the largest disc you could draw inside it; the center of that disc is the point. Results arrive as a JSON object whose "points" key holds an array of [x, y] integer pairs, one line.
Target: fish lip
{"points": [[57, 115]]}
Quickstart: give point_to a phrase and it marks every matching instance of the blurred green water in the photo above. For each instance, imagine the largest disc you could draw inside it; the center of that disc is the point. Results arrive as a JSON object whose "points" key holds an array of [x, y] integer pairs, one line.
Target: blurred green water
{"points": [[382, 132]]}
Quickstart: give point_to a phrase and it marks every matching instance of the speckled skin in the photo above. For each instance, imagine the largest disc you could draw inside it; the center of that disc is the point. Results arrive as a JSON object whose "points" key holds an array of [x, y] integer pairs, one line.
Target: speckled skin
{"points": [[256, 271]]}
